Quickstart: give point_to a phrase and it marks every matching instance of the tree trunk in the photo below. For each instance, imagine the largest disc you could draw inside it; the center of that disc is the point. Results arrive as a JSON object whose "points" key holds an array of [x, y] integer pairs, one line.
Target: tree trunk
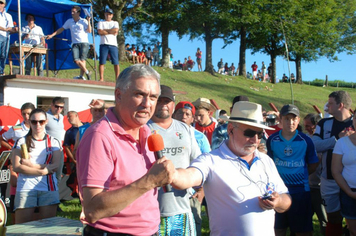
{"points": [[209, 67], [242, 59], [121, 40], [274, 68], [298, 66], [165, 48]]}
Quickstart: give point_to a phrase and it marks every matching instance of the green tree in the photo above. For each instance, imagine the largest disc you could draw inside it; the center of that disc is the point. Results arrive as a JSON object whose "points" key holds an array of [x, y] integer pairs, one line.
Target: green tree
{"points": [[206, 20]]}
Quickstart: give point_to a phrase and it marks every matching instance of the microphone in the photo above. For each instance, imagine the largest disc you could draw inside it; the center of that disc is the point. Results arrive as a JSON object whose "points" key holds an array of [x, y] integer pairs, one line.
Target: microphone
{"points": [[24, 152], [156, 145]]}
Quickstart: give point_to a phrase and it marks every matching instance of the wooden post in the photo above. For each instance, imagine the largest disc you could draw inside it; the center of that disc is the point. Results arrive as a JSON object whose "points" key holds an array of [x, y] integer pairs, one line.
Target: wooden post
{"points": [[326, 81]]}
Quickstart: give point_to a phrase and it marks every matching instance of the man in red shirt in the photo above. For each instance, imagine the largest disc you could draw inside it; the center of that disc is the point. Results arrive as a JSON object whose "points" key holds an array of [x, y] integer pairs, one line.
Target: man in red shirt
{"points": [[254, 70]]}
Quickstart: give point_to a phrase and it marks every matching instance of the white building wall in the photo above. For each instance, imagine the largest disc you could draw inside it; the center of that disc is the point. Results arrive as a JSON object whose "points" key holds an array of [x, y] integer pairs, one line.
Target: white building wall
{"points": [[78, 95]]}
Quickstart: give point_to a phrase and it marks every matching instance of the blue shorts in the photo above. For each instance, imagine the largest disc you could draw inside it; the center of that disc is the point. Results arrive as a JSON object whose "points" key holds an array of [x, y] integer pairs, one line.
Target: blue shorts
{"points": [[80, 51], [177, 225], [34, 198], [105, 50], [299, 216], [348, 205]]}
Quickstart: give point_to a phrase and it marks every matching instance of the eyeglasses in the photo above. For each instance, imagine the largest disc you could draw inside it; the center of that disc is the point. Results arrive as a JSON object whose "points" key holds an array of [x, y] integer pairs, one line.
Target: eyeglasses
{"points": [[34, 122], [58, 107], [249, 133]]}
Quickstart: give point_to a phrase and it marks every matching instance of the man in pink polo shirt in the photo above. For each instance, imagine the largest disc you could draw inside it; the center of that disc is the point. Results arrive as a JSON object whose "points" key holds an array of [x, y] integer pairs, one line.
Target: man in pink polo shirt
{"points": [[117, 176]]}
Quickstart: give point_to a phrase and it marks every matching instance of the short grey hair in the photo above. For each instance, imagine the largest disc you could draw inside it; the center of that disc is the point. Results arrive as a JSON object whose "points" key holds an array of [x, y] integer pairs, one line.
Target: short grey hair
{"points": [[133, 72]]}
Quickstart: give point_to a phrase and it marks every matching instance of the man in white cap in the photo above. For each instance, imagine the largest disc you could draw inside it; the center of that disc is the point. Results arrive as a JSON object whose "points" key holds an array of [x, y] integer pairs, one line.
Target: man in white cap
{"points": [[242, 186]]}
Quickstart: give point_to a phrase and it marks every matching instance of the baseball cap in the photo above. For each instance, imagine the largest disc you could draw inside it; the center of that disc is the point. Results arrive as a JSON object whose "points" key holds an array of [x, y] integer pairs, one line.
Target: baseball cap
{"points": [[186, 105], [108, 10], [166, 92], [239, 98], [289, 109]]}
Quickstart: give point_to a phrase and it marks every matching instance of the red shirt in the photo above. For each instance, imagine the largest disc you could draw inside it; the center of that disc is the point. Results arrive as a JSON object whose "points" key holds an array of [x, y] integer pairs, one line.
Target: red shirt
{"points": [[207, 130], [254, 67]]}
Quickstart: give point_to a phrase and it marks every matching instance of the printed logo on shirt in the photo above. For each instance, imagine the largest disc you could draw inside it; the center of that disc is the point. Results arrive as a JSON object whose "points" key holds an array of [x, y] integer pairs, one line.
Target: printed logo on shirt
{"points": [[173, 151], [288, 151], [283, 163], [179, 135]]}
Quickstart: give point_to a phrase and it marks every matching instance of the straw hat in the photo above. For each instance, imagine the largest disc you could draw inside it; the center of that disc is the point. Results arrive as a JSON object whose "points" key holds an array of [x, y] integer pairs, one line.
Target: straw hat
{"points": [[247, 113], [204, 102]]}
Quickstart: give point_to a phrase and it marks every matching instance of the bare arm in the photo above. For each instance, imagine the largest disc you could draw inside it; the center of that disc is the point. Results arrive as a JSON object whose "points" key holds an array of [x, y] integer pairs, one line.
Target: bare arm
{"points": [[69, 153], [89, 25], [5, 144], [312, 167], [58, 31], [24, 169], [336, 169], [187, 178], [279, 202], [99, 203], [76, 146], [108, 31]]}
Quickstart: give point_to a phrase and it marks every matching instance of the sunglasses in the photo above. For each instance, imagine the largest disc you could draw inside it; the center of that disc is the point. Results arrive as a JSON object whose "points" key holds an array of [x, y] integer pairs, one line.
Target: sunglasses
{"points": [[34, 122], [249, 133], [58, 107], [2, 3]]}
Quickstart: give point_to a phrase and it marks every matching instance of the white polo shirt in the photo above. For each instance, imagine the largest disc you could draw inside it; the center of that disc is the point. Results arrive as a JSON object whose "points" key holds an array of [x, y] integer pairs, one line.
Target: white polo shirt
{"points": [[232, 190], [109, 39], [35, 34], [78, 30], [5, 22]]}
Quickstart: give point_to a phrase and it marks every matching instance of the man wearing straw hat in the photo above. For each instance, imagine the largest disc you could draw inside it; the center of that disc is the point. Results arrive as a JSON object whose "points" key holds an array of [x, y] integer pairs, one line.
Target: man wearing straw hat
{"points": [[242, 186]]}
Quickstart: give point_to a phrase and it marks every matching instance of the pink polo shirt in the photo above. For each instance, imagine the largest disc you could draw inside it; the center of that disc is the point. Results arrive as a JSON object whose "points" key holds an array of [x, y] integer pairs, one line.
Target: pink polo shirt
{"points": [[109, 158]]}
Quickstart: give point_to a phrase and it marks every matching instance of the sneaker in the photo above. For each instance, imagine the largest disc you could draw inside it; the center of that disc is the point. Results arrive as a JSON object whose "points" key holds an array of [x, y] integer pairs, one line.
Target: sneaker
{"points": [[77, 77], [88, 75], [83, 78]]}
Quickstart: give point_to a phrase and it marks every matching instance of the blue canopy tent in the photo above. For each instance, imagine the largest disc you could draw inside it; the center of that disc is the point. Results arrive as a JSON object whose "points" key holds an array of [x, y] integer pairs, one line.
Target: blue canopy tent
{"points": [[50, 15]]}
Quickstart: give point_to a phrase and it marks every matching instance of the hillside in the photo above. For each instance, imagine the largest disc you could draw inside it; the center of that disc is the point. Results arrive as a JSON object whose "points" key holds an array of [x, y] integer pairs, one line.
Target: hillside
{"points": [[191, 85]]}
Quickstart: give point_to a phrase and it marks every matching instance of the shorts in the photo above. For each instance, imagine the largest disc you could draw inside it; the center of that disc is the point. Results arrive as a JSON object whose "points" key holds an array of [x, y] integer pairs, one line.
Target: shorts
{"points": [[80, 51], [105, 50], [331, 202], [348, 205], [34, 198], [299, 217], [198, 59], [181, 224]]}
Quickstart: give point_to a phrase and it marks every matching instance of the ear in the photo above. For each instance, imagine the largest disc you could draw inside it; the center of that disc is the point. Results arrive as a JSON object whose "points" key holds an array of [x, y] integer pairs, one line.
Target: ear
{"points": [[117, 95]]}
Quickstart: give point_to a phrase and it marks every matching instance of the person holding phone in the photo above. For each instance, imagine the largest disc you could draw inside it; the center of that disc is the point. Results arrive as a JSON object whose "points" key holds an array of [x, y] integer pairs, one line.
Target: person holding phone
{"points": [[242, 186], [37, 185]]}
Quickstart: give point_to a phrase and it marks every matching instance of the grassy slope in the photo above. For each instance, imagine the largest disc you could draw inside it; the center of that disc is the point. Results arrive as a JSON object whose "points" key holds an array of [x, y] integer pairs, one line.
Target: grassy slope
{"points": [[224, 88]]}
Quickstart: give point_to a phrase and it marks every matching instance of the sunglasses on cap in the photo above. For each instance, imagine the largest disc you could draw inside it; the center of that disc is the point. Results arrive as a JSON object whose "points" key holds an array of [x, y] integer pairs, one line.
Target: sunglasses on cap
{"points": [[34, 122], [58, 107]]}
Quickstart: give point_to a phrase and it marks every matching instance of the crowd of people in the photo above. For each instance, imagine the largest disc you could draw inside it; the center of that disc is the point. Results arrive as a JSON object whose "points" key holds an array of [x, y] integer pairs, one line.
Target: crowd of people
{"points": [[284, 175]]}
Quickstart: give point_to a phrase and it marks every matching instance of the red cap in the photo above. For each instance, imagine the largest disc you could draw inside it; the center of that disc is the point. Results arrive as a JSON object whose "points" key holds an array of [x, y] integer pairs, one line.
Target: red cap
{"points": [[186, 105]]}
